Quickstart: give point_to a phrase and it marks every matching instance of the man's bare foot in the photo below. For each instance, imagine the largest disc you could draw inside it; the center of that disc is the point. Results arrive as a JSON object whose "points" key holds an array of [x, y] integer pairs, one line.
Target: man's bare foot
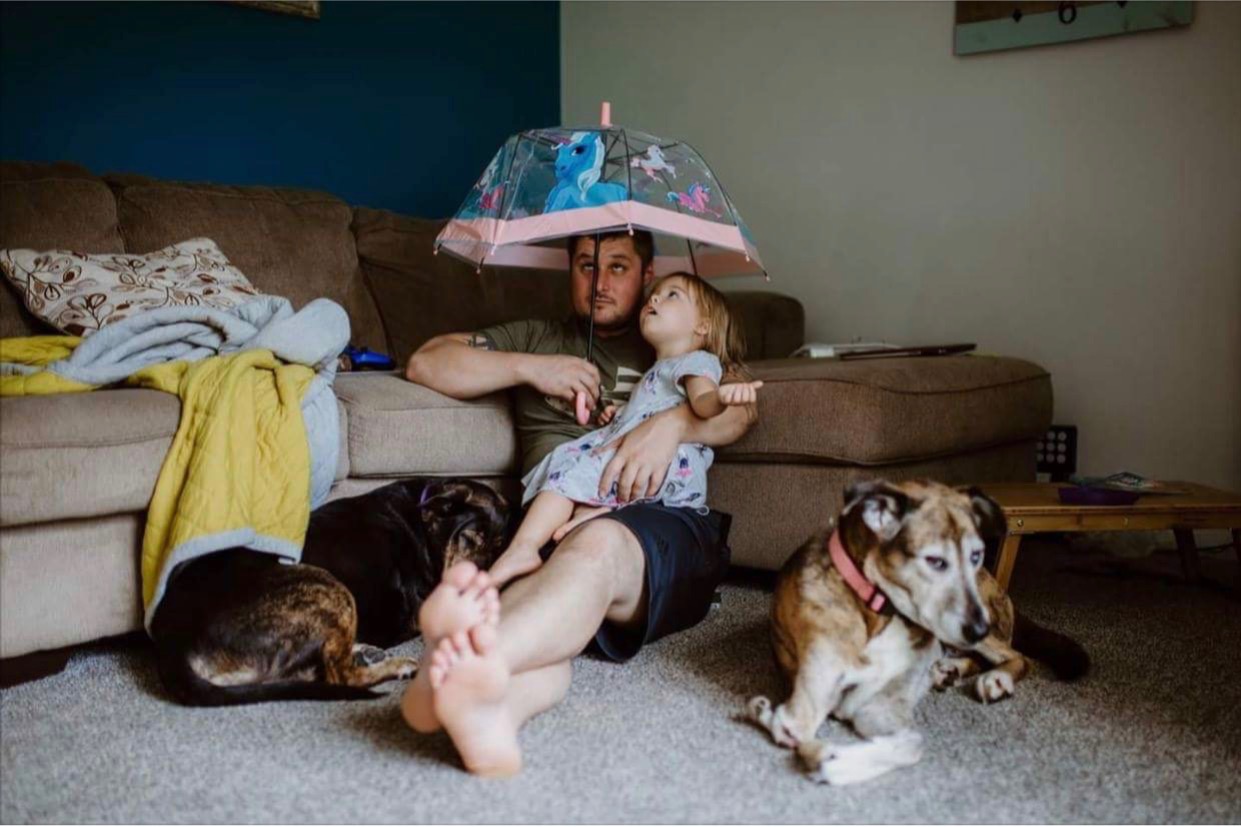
{"points": [[469, 681], [464, 599], [580, 516], [517, 560]]}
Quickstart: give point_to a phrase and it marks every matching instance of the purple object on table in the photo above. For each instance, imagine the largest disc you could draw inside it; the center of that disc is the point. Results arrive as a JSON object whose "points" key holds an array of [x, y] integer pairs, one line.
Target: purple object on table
{"points": [[1086, 495]]}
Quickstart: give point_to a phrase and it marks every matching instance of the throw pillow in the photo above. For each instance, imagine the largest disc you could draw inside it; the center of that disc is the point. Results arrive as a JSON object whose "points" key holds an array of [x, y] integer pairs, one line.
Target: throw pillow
{"points": [[78, 293]]}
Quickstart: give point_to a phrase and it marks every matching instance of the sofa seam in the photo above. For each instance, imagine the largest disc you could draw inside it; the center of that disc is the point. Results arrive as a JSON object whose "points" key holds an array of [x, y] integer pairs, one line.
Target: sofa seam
{"points": [[369, 409], [106, 444], [841, 462], [902, 392], [125, 188], [99, 181]]}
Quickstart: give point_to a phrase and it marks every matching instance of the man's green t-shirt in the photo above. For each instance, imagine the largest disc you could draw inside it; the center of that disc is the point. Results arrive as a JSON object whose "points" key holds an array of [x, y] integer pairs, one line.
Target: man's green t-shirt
{"points": [[543, 422]]}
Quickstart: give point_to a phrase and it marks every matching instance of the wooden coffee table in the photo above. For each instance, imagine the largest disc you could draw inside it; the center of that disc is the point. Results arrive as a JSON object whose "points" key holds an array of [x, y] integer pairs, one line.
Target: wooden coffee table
{"points": [[1031, 508]]}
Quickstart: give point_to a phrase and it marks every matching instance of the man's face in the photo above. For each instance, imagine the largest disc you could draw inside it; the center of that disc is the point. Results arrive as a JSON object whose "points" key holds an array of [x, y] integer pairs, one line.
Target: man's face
{"points": [[622, 280]]}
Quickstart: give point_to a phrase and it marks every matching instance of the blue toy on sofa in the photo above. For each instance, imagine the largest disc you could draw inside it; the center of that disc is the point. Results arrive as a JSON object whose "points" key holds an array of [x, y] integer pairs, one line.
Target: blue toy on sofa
{"points": [[361, 358]]}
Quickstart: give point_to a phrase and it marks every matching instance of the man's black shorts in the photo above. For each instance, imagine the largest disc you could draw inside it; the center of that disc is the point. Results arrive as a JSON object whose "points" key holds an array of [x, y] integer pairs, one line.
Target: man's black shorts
{"points": [[686, 559]]}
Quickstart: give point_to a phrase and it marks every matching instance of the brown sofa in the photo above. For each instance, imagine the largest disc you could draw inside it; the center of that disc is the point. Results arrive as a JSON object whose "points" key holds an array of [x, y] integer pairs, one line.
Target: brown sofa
{"points": [[76, 471]]}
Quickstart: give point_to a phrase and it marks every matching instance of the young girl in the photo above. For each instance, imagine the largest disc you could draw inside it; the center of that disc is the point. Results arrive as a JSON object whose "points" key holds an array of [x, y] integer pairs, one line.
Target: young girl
{"points": [[687, 322]]}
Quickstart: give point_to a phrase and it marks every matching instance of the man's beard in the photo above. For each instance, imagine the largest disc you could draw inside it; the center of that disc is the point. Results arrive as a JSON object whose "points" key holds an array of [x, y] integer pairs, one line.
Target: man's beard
{"points": [[621, 325]]}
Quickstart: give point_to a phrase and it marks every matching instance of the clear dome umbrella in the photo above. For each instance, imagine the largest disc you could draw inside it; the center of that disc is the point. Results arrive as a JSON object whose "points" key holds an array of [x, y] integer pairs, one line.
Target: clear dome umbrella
{"points": [[545, 185]]}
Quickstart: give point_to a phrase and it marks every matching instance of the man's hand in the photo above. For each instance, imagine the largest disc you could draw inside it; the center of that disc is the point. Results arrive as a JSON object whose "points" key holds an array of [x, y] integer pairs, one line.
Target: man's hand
{"points": [[562, 377], [739, 393], [643, 455]]}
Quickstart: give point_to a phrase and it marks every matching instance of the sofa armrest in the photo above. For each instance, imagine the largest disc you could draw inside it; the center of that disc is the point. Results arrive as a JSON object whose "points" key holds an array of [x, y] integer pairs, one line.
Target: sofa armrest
{"points": [[774, 324]]}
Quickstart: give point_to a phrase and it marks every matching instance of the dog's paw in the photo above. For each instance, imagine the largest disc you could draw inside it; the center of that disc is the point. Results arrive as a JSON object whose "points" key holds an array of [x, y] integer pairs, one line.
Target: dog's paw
{"points": [[837, 772], [760, 712], [837, 767], [853, 763], [366, 655], [993, 686], [409, 668], [944, 674], [814, 754]]}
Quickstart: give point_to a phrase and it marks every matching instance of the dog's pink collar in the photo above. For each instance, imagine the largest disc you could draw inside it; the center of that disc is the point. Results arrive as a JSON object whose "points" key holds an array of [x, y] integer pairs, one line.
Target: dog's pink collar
{"points": [[869, 593]]}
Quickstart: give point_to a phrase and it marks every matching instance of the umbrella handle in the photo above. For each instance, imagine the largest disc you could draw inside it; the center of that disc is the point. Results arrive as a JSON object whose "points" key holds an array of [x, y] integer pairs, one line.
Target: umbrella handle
{"points": [[581, 408]]}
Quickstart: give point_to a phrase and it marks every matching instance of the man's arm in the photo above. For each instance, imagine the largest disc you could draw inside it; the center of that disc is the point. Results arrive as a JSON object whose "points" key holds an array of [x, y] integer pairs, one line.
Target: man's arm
{"points": [[643, 455], [464, 365], [468, 365]]}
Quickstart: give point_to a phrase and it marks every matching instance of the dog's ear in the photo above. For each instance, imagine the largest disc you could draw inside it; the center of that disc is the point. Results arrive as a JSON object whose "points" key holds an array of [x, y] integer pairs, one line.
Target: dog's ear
{"points": [[441, 498], [883, 507], [988, 514]]}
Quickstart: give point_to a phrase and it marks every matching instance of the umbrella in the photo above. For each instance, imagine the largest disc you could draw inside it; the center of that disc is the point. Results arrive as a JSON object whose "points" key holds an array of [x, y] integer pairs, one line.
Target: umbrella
{"points": [[548, 184]]}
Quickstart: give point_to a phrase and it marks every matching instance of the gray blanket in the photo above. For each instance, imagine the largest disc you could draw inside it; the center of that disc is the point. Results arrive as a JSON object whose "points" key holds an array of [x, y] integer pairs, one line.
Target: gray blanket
{"points": [[313, 336]]}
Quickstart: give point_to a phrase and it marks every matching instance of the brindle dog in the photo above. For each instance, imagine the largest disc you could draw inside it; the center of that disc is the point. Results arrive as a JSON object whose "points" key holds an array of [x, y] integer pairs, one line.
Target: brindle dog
{"points": [[239, 626], [869, 661]]}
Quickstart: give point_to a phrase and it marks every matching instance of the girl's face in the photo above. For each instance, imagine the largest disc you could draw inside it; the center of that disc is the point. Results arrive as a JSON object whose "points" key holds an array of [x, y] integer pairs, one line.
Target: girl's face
{"points": [[670, 315]]}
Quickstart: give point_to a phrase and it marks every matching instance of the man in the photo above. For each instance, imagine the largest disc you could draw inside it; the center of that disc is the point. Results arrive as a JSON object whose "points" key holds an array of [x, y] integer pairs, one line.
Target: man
{"points": [[620, 580]]}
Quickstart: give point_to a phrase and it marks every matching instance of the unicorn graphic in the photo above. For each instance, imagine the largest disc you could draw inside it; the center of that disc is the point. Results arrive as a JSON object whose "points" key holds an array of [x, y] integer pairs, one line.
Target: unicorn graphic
{"points": [[653, 162], [695, 200], [491, 199], [579, 166]]}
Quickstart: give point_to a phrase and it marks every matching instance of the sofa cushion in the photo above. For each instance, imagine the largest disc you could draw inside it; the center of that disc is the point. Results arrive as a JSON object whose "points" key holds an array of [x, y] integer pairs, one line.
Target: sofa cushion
{"points": [[397, 428], [422, 295], [863, 412], [291, 243], [82, 454], [51, 207], [91, 454], [879, 411]]}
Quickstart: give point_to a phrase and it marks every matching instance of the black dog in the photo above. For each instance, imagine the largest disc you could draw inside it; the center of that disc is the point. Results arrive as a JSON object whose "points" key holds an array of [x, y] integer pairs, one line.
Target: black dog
{"points": [[239, 626]]}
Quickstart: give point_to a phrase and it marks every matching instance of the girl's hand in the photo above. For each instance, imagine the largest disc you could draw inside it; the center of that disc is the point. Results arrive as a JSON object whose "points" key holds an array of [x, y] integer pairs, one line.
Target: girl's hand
{"points": [[607, 414], [739, 393]]}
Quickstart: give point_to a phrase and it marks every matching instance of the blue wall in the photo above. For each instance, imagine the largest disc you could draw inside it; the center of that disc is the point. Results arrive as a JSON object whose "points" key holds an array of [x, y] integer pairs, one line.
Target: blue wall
{"points": [[394, 105]]}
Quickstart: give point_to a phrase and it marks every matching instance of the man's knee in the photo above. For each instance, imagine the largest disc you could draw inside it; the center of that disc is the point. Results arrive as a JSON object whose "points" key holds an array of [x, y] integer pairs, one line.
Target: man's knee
{"points": [[604, 543]]}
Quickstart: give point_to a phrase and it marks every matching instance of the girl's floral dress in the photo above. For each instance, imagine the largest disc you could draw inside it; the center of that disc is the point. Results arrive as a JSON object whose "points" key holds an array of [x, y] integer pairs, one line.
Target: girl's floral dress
{"points": [[573, 470]]}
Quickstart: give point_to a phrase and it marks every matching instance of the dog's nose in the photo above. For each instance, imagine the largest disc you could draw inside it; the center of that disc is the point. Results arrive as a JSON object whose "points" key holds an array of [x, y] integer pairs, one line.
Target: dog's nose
{"points": [[976, 627]]}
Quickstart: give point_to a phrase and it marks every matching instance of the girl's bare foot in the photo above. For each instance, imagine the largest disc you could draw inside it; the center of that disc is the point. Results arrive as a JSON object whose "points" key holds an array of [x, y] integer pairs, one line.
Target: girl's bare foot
{"points": [[517, 560], [464, 599], [580, 516], [469, 681]]}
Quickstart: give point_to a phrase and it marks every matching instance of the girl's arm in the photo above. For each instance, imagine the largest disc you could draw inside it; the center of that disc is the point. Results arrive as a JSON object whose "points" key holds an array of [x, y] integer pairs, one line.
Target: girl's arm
{"points": [[704, 397], [708, 400]]}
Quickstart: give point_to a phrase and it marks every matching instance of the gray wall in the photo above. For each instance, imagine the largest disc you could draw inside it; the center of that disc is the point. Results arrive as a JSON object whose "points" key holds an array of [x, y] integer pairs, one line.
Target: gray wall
{"points": [[1078, 205]]}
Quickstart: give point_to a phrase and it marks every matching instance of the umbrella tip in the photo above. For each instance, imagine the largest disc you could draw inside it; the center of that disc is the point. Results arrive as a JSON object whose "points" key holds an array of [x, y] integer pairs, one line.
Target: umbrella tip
{"points": [[605, 114]]}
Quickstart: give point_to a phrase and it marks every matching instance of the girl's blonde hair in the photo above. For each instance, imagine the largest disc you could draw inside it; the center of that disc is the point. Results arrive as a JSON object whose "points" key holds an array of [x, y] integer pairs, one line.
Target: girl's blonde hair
{"points": [[724, 336]]}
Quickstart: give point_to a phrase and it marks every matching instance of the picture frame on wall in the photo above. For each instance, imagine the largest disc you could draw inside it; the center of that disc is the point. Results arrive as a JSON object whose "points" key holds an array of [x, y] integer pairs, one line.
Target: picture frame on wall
{"points": [[996, 26]]}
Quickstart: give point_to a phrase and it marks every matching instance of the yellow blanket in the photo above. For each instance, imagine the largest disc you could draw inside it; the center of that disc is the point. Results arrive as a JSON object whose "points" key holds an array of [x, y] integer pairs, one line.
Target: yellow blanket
{"points": [[238, 471]]}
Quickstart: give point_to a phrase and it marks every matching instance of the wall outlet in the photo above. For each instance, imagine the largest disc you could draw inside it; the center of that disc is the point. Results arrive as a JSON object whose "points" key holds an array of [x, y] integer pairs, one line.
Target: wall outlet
{"points": [[1055, 453]]}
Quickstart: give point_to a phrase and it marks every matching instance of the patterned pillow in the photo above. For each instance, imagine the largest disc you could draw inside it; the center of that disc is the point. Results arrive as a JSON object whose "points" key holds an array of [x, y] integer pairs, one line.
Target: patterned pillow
{"points": [[78, 293]]}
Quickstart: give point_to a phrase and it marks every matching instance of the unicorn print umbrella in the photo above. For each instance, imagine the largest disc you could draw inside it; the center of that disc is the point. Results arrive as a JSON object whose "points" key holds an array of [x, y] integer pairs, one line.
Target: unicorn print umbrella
{"points": [[547, 184]]}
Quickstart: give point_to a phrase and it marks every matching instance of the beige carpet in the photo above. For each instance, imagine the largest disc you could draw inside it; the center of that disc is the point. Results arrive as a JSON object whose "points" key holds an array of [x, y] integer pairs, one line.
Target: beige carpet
{"points": [[1152, 735]]}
